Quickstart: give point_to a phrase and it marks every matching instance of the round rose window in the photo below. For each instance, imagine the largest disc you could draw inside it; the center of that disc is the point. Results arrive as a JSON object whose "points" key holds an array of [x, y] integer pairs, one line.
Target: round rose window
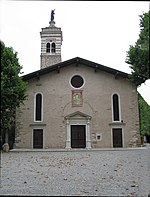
{"points": [[77, 81]]}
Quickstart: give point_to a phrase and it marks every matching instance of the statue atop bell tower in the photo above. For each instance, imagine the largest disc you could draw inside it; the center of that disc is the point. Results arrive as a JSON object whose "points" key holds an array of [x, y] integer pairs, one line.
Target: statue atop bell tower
{"points": [[51, 41], [52, 15]]}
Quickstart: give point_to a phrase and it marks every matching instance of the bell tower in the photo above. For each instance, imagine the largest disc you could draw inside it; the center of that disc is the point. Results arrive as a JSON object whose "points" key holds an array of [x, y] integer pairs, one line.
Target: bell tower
{"points": [[51, 41]]}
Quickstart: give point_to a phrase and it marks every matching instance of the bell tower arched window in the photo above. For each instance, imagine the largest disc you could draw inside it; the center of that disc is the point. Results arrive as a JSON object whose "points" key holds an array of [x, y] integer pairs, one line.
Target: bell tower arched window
{"points": [[38, 107], [115, 105], [48, 47], [53, 47]]}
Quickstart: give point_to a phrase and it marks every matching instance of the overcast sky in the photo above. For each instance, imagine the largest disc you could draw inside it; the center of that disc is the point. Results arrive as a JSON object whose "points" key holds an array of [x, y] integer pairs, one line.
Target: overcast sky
{"points": [[95, 30]]}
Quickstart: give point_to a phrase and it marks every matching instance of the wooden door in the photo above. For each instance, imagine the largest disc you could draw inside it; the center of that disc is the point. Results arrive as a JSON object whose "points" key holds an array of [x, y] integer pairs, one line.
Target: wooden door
{"points": [[38, 138], [117, 137], [78, 136]]}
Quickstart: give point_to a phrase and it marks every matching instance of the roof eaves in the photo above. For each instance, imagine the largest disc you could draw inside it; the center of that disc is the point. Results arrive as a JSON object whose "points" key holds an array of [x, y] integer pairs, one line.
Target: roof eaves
{"points": [[103, 68], [49, 69], [76, 60]]}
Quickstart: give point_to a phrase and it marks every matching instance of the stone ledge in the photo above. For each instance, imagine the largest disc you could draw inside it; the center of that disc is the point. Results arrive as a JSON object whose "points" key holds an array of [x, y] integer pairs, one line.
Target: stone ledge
{"points": [[77, 149], [37, 124], [117, 123]]}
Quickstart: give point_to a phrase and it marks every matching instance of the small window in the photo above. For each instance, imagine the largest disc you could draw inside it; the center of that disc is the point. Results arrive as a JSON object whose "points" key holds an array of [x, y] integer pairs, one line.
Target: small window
{"points": [[48, 48], [77, 81], [53, 47]]}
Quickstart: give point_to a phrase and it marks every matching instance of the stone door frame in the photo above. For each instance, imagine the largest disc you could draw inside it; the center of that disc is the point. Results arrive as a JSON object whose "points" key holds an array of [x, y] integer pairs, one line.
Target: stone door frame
{"points": [[78, 118]]}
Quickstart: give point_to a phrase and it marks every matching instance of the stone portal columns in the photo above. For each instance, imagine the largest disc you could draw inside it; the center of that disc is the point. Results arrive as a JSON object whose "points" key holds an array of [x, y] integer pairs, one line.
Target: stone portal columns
{"points": [[68, 141], [88, 135]]}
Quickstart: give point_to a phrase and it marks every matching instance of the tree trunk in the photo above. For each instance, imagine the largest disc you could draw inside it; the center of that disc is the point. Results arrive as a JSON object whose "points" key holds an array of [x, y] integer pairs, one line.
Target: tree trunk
{"points": [[6, 136], [6, 145]]}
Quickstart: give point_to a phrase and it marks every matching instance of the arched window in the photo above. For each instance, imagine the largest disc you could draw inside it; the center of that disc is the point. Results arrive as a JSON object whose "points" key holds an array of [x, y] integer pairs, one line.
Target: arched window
{"points": [[116, 115], [53, 47], [48, 48], [38, 107]]}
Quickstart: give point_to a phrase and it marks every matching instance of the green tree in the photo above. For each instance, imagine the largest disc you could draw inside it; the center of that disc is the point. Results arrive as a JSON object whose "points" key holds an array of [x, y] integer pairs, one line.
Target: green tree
{"points": [[13, 89], [138, 55], [144, 111]]}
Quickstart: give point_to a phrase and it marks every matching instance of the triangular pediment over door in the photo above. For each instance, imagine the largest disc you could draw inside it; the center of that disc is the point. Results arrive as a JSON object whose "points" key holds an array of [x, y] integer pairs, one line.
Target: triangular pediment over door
{"points": [[78, 115]]}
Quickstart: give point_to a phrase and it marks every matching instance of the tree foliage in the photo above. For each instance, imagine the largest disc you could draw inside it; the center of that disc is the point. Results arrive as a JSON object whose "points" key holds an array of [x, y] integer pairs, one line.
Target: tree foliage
{"points": [[144, 110], [138, 54], [13, 88]]}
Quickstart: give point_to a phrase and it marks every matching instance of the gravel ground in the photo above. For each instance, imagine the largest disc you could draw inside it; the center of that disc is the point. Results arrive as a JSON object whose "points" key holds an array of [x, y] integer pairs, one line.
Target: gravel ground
{"points": [[118, 172]]}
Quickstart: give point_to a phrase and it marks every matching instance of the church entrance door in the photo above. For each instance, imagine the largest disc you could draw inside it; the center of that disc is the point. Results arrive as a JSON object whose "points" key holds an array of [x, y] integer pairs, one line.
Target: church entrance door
{"points": [[117, 137], [38, 138], [78, 136]]}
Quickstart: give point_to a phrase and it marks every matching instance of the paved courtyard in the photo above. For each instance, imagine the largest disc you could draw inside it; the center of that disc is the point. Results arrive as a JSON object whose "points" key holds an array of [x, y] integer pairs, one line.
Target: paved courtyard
{"points": [[119, 172]]}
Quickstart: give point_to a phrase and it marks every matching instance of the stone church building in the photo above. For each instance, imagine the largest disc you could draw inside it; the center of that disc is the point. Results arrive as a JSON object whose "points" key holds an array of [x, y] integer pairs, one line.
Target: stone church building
{"points": [[76, 103]]}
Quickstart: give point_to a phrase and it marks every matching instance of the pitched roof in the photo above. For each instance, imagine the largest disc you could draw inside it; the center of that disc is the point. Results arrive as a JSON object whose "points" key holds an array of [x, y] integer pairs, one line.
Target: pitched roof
{"points": [[76, 61]]}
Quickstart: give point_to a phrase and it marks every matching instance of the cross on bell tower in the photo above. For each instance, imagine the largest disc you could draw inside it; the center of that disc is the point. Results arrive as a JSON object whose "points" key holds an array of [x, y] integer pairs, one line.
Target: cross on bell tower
{"points": [[51, 41]]}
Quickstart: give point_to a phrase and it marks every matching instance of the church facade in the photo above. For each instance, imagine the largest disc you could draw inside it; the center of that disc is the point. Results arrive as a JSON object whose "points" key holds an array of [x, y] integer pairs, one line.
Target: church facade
{"points": [[76, 103]]}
